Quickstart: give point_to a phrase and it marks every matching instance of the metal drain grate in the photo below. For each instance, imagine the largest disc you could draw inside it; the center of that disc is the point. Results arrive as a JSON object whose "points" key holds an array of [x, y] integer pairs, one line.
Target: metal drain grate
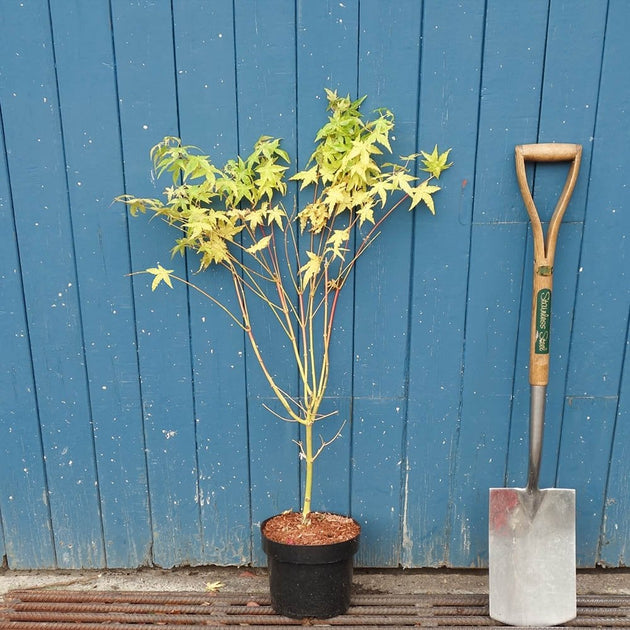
{"points": [[124, 610]]}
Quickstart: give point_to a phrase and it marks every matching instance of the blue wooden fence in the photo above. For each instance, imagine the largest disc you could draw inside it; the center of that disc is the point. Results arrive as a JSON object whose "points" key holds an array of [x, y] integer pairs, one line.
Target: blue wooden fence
{"points": [[132, 430]]}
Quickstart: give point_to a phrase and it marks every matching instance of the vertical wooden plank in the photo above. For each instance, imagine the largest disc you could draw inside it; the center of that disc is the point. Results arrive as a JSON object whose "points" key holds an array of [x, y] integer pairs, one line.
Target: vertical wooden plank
{"points": [[601, 317], [572, 73], [206, 85], [89, 108], [45, 234], [614, 543], [143, 42], [496, 263], [584, 458], [493, 306], [23, 503], [449, 101], [265, 62], [382, 292], [326, 45]]}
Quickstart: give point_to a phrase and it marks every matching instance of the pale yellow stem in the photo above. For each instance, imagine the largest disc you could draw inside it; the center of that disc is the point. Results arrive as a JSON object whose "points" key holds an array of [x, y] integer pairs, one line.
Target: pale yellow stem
{"points": [[308, 477]]}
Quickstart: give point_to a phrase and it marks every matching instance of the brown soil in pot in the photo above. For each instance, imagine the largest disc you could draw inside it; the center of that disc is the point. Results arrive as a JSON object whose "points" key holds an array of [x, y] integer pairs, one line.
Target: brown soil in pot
{"points": [[321, 528]]}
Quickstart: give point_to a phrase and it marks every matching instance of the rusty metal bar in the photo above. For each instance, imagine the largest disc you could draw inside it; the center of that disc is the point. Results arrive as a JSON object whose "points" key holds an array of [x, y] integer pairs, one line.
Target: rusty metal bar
{"points": [[156, 597], [184, 597]]}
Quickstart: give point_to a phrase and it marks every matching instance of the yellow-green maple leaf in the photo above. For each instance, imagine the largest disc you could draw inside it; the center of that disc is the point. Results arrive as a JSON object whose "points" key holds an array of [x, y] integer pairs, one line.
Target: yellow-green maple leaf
{"points": [[366, 213], [270, 178], [311, 268], [307, 177], [435, 162], [255, 218], [423, 192], [337, 197], [276, 214], [213, 587], [214, 251], [259, 245], [160, 275], [336, 241]]}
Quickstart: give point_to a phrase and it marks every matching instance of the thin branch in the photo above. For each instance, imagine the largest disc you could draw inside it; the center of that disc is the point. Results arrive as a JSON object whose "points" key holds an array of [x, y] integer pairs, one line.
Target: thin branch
{"points": [[301, 447], [327, 415], [204, 293], [261, 294], [324, 444], [277, 415], [280, 395]]}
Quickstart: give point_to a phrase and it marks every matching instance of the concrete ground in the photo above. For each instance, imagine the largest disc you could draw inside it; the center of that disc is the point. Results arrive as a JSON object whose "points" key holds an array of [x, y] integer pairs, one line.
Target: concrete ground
{"points": [[232, 579]]}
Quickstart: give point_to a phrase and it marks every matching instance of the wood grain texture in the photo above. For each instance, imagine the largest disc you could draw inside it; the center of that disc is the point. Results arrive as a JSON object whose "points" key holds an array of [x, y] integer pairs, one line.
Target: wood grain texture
{"points": [[90, 113], [448, 115], [265, 66], [381, 335], [39, 187], [206, 89], [25, 514], [146, 83], [335, 66], [595, 396]]}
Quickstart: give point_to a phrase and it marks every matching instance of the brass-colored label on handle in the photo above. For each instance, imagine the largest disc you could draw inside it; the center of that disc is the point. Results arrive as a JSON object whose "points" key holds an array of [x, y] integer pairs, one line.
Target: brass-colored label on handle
{"points": [[543, 321]]}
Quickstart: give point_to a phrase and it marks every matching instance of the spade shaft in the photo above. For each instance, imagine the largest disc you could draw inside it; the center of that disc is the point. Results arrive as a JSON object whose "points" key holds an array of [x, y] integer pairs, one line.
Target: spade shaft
{"points": [[537, 402]]}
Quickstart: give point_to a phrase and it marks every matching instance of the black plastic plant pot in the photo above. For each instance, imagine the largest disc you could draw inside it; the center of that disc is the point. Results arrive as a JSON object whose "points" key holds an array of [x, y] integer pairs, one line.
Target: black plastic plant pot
{"points": [[310, 580]]}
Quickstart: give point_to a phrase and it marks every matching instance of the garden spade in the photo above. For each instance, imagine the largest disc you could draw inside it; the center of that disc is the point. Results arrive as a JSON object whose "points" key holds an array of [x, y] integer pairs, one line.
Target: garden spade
{"points": [[532, 531]]}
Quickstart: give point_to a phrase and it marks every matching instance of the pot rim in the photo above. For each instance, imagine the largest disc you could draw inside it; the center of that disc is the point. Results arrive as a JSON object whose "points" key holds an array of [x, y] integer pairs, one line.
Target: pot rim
{"points": [[310, 554]]}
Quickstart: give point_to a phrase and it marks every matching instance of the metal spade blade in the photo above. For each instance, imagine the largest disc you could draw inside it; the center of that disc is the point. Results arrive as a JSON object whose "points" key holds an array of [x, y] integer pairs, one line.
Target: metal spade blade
{"points": [[532, 556]]}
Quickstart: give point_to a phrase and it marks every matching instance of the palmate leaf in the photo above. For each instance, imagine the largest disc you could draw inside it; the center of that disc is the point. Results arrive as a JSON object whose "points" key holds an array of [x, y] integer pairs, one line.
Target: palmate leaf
{"points": [[160, 275], [401, 180], [381, 128], [255, 218], [213, 587], [270, 178], [307, 177], [380, 188], [317, 214], [336, 241], [276, 214], [366, 213], [435, 162], [423, 192], [259, 245], [337, 197], [138, 204], [310, 269], [213, 251]]}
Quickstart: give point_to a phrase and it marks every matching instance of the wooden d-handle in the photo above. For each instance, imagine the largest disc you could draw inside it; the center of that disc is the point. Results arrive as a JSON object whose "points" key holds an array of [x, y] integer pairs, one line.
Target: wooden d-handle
{"points": [[550, 152], [544, 248]]}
